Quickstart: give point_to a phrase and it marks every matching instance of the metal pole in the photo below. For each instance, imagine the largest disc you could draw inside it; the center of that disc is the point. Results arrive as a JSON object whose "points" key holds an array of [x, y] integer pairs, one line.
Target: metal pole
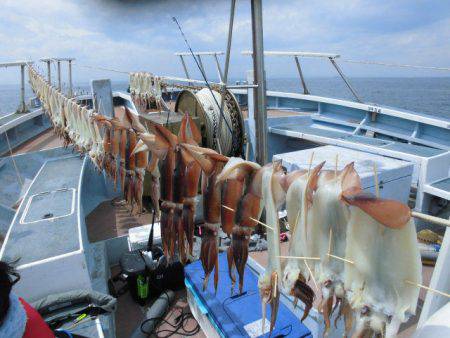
{"points": [[224, 76], [184, 67], [70, 79], [59, 74], [22, 89], [219, 71], [49, 73], [199, 58], [345, 79], [299, 68], [260, 80]]}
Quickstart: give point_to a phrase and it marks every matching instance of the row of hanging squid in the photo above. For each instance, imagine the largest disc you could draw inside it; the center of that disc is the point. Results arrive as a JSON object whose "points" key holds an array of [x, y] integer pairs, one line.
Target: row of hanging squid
{"points": [[146, 92], [106, 140], [357, 249], [354, 249]]}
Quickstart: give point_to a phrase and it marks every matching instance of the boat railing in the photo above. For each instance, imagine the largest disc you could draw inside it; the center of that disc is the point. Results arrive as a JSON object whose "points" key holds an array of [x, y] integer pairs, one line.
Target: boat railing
{"points": [[296, 55], [22, 106], [58, 61]]}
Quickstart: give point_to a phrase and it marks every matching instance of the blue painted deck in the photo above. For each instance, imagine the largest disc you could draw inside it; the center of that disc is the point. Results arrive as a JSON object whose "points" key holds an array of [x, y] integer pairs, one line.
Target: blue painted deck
{"points": [[32, 237], [230, 314]]}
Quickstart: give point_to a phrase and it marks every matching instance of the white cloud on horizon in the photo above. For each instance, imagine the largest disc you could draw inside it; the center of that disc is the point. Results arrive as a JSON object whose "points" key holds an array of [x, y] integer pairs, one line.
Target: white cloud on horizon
{"points": [[143, 37]]}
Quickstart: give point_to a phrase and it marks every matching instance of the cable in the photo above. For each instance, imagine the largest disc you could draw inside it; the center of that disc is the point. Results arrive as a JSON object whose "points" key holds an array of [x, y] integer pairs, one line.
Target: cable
{"points": [[13, 160], [395, 65], [180, 322], [101, 68]]}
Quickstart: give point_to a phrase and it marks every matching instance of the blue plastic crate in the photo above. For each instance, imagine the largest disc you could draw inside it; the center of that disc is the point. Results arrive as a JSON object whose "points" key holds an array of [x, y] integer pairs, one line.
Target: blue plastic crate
{"points": [[231, 315]]}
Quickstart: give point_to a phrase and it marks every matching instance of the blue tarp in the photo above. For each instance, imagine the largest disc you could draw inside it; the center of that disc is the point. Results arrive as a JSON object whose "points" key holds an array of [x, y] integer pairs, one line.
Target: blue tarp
{"points": [[230, 314]]}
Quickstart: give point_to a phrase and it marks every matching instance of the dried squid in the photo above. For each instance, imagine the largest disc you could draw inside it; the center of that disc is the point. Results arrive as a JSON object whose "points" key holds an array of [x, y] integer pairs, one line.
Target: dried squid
{"points": [[191, 135], [273, 196], [237, 211], [382, 243], [212, 164], [300, 186], [329, 215]]}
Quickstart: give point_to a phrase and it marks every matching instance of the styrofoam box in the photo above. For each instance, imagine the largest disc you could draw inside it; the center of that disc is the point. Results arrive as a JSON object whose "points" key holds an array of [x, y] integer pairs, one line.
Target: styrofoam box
{"points": [[394, 176]]}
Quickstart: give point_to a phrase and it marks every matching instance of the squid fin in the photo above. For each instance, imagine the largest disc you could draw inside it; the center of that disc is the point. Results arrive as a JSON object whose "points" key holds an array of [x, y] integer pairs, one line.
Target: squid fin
{"points": [[390, 213]]}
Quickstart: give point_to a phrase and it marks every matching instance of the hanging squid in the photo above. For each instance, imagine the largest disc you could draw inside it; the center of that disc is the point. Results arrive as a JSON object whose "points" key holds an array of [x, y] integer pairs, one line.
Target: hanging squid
{"points": [[188, 134], [329, 216], [299, 187], [273, 197], [168, 144], [238, 211], [212, 164], [382, 244]]}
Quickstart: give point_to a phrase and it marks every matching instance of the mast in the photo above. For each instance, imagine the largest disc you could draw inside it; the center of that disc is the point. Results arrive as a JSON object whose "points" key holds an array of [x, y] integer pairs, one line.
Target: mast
{"points": [[260, 81]]}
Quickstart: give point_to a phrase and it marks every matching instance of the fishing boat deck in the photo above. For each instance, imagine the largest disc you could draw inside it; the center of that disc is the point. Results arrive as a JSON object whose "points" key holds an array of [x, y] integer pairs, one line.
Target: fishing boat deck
{"points": [[43, 141], [112, 219]]}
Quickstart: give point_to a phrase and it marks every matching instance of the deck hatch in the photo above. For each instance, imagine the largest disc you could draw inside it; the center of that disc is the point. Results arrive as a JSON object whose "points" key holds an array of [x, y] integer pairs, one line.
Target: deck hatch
{"points": [[49, 205]]}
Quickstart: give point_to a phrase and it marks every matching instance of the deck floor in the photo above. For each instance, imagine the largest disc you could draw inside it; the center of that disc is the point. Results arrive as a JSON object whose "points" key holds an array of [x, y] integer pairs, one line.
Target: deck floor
{"points": [[45, 140], [111, 219]]}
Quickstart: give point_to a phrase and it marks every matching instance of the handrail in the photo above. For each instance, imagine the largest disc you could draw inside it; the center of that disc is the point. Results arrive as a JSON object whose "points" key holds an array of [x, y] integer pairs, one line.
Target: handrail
{"points": [[302, 54]]}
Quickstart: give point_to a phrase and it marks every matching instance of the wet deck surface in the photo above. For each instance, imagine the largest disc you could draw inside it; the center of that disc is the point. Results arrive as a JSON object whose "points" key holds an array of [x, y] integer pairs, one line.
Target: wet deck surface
{"points": [[45, 140], [112, 219]]}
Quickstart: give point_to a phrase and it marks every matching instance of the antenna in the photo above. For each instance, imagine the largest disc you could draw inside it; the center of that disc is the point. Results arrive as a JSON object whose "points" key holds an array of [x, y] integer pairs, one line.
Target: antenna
{"points": [[204, 78]]}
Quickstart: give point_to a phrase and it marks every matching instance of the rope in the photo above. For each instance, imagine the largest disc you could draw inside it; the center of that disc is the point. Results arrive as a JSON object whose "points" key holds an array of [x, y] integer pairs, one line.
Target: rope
{"points": [[13, 160], [212, 121], [395, 65], [101, 68]]}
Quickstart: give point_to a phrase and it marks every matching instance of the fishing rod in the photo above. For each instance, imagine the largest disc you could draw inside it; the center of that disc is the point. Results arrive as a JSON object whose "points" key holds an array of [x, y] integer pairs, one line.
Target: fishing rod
{"points": [[204, 78]]}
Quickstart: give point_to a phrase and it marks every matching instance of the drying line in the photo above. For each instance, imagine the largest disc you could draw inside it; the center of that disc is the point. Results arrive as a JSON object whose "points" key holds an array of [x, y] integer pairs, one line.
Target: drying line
{"points": [[301, 257], [396, 65], [13, 160]]}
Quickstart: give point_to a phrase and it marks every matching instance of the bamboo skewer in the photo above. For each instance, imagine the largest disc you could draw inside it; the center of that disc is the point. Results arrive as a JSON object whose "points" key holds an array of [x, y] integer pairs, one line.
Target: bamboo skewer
{"points": [[336, 165], [428, 288], [329, 241], [432, 219], [301, 257], [310, 163], [341, 259], [253, 219], [375, 178], [406, 281], [311, 274]]}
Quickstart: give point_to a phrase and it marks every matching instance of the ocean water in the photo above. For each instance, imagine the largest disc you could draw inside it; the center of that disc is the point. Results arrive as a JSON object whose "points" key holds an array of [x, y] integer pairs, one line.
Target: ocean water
{"points": [[423, 95]]}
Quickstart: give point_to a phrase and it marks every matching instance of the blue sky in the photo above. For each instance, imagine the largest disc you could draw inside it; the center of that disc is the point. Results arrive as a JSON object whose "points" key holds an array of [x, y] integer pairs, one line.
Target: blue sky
{"points": [[140, 35]]}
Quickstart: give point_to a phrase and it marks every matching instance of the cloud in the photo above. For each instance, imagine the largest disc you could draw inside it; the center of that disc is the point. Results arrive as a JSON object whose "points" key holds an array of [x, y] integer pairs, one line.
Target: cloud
{"points": [[140, 35]]}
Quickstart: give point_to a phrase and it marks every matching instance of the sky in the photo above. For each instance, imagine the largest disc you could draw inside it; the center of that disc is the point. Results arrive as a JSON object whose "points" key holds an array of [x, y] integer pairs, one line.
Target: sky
{"points": [[141, 36]]}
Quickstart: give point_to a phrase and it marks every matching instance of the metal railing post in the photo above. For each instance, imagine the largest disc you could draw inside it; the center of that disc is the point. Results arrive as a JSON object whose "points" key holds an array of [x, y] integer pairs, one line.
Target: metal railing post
{"points": [[59, 74], [70, 79], [260, 80], [299, 68], [219, 71], [49, 72], [22, 107], [184, 67], [333, 62], [224, 77], [199, 58]]}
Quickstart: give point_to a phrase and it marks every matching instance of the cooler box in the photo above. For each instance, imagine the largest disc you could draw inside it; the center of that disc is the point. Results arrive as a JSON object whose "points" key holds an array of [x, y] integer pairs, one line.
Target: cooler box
{"points": [[226, 315], [394, 176]]}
